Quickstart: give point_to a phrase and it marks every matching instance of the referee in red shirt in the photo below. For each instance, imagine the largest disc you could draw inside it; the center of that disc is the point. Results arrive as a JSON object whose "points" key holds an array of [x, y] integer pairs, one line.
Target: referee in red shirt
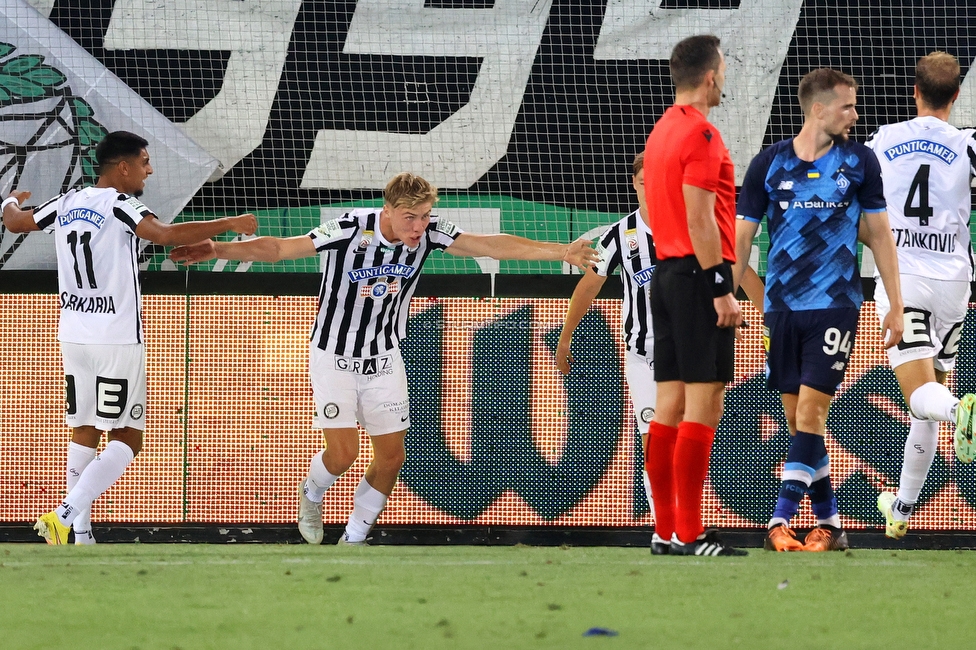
{"points": [[690, 186]]}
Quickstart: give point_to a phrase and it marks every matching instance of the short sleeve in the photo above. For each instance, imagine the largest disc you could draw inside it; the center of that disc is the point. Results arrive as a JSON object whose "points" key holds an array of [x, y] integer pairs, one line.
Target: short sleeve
{"points": [[703, 160], [871, 193], [442, 233], [753, 199], [46, 213], [332, 234], [608, 248], [130, 211]]}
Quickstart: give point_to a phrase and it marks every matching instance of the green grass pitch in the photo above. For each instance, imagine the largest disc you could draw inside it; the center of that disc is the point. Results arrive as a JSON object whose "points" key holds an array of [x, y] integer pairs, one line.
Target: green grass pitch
{"points": [[267, 596]]}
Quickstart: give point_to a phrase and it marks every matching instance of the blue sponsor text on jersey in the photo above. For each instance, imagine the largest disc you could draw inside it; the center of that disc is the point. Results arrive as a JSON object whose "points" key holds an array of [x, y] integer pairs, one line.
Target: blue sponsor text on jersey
{"points": [[368, 273], [643, 276], [81, 214], [940, 151]]}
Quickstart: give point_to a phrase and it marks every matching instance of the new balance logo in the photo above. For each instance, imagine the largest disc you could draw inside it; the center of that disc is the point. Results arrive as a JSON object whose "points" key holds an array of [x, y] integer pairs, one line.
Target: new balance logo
{"points": [[838, 365]]}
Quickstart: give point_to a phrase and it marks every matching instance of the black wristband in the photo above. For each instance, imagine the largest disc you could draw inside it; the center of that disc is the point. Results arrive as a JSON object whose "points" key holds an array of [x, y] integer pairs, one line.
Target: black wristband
{"points": [[720, 279]]}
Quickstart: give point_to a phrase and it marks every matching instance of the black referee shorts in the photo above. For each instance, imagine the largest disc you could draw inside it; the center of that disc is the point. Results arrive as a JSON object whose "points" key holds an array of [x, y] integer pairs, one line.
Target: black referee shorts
{"points": [[688, 345]]}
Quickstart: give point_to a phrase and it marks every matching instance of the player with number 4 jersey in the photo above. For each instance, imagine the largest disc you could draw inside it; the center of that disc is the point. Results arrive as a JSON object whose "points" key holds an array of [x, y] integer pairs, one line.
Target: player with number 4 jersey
{"points": [[927, 165], [96, 233]]}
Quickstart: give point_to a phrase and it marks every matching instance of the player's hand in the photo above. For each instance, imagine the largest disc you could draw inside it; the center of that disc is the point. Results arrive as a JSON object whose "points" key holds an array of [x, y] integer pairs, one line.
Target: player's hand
{"points": [[727, 308], [564, 358], [245, 224], [893, 328], [199, 252], [20, 195], [581, 254]]}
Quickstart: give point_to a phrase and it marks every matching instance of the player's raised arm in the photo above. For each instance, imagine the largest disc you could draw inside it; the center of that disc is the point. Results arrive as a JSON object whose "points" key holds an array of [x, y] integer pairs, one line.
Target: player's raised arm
{"points": [[579, 253], [586, 291], [261, 249], [16, 219], [188, 232]]}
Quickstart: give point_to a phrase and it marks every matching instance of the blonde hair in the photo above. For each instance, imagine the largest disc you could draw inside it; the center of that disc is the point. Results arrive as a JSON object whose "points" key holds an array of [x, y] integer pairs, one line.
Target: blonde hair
{"points": [[408, 190], [937, 78]]}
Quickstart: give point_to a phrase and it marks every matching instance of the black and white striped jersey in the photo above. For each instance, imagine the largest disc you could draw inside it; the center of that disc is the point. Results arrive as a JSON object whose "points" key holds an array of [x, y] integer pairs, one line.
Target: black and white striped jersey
{"points": [[98, 264], [630, 245], [926, 167], [367, 282]]}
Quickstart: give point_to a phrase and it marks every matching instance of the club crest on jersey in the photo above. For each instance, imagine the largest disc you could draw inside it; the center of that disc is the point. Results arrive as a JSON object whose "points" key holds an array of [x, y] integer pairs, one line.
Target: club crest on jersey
{"points": [[380, 289], [366, 240], [631, 236], [842, 182], [81, 214], [940, 151], [368, 273]]}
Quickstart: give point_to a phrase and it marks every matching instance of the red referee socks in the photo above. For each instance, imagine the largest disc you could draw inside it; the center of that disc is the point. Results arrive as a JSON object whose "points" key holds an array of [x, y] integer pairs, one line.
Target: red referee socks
{"points": [[692, 450], [658, 461]]}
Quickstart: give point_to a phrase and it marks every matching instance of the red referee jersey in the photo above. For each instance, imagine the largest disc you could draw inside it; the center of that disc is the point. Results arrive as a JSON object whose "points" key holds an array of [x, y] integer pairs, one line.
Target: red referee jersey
{"points": [[685, 149]]}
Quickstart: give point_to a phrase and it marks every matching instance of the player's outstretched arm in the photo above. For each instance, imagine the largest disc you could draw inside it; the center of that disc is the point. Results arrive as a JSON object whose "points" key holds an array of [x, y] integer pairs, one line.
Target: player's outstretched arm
{"points": [[15, 219], [875, 232], [261, 249], [586, 290], [579, 253], [189, 232]]}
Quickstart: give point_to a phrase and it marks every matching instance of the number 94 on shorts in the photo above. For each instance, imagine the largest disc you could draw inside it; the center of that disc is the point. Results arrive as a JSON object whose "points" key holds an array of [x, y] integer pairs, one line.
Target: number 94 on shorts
{"points": [[810, 348]]}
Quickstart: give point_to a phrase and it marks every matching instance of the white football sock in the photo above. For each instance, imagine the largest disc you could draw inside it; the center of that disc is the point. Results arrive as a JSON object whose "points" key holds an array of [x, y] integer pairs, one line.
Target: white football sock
{"points": [[78, 458], [367, 506], [647, 491], [920, 449], [99, 476], [319, 479], [933, 401]]}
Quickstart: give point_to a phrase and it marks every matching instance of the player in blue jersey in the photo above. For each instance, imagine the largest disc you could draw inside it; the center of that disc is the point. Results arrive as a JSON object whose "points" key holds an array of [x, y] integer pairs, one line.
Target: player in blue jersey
{"points": [[820, 193]]}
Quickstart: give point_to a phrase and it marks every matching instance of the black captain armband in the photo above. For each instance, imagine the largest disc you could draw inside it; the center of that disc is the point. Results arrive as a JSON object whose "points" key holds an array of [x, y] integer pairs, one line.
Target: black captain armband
{"points": [[720, 279]]}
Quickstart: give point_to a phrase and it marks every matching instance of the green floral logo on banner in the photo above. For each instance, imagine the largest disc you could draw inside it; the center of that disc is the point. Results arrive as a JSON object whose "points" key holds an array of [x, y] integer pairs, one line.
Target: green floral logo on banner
{"points": [[41, 116]]}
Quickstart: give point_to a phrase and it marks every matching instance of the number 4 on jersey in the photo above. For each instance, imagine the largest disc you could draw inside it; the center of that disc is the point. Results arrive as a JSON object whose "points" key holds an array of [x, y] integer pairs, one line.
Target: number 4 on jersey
{"points": [[920, 184]]}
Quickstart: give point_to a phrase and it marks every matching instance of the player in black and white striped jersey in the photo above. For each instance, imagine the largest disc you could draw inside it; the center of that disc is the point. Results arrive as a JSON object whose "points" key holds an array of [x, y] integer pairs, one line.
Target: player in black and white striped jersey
{"points": [[96, 233], [629, 245], [371, 260]]}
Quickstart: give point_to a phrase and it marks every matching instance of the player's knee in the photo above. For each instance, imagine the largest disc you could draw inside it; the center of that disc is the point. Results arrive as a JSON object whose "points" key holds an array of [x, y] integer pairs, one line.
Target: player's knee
{"points": [[390, 461], [130, 437], [339, 458]]}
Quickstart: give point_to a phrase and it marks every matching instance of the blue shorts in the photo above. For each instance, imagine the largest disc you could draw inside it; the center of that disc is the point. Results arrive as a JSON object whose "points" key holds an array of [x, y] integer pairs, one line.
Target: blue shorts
{"points": [[809, 348]]}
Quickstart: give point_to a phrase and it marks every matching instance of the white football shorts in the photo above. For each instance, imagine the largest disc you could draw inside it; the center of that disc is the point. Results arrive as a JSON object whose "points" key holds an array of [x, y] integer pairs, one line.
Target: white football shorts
{"points": [[371, 391], [934, 314], [105, 385], [643, 388]]}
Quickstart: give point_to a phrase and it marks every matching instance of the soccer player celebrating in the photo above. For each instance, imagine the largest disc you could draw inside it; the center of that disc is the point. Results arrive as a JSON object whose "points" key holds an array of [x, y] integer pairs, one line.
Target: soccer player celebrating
{"points": [[927, 166], [96, 234], [628, 244], [371, 260], [820, 193], [690, 186]]}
